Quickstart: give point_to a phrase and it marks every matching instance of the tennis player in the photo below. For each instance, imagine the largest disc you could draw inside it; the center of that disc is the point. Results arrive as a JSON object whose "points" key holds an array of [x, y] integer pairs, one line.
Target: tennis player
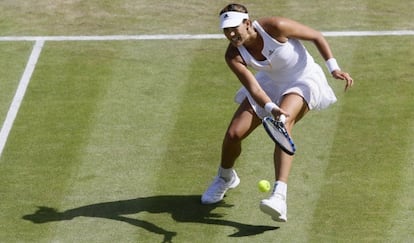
{"points": [[287, 81]]}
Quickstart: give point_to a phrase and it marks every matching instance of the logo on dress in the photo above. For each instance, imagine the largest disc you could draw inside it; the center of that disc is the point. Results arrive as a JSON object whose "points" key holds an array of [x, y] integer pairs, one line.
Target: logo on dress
{"points": [[271, 52]]}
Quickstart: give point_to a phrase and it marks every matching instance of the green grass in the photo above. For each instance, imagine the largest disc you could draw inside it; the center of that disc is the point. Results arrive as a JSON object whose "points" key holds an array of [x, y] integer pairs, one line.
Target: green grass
{"points": [[13, 61], [368, 178], [105, 17], [115, 141]]}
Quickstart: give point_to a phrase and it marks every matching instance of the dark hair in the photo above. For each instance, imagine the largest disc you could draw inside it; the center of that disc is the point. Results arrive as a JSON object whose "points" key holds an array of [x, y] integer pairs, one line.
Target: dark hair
{"points": [[234, 7]]}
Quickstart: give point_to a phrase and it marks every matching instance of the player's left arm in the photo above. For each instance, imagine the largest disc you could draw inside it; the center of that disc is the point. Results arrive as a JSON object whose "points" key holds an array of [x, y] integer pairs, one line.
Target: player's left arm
{"points": [[287, 28]]}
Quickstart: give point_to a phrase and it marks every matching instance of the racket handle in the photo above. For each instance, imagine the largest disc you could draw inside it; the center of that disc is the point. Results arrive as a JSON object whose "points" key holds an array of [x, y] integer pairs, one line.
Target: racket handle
{"points": [[282, 118]]}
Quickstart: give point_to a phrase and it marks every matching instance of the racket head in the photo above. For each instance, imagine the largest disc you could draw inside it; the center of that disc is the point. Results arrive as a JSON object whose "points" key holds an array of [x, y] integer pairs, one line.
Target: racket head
{"points": [[278, 133]]}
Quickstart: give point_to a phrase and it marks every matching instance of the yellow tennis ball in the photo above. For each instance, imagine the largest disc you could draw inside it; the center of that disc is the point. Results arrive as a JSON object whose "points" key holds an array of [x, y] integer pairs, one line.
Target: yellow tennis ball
{"points": [[264, 185]]}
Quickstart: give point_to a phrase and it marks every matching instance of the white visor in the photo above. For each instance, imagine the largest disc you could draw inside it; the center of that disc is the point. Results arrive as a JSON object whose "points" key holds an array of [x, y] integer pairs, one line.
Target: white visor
{"points": [[232, 19]]}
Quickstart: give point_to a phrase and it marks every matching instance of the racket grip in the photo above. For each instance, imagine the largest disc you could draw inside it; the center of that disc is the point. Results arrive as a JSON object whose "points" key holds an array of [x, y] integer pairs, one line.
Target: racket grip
{"points": [[282, 118]]}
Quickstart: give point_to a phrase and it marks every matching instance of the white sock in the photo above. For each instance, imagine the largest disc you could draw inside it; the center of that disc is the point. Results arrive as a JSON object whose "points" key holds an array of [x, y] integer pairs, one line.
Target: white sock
{"points": [[280, 188], [226, 174]]}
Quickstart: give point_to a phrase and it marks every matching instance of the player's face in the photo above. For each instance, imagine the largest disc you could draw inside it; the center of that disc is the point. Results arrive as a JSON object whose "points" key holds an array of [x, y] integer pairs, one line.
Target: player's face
{"points": [[236, 35]]}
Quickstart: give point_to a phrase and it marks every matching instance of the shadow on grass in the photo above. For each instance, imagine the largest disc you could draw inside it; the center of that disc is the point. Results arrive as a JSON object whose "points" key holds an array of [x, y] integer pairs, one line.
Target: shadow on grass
{"points": [[183, 208]]}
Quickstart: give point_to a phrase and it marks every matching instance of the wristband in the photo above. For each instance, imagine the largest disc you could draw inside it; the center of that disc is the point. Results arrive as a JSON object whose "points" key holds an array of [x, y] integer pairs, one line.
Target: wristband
{"points": [[269, 106], [332, 65]]}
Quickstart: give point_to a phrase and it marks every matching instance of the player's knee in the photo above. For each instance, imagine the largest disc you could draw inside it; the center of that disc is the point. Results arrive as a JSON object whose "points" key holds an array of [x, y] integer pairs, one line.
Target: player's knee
{"points": [[233, 136]]}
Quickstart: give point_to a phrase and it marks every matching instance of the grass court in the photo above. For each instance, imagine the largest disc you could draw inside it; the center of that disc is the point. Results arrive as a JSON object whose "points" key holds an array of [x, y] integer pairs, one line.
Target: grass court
{"points": [[116, 140]]}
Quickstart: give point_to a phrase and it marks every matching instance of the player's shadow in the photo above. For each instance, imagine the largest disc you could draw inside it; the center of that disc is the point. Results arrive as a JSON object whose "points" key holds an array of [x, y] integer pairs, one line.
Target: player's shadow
{"points": [[183, 208]]}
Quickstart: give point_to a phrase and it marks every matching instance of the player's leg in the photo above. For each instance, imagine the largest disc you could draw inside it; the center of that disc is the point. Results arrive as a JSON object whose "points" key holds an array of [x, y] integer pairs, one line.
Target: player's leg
{"points": [[242, 124], [276, 206], [296, 106]]}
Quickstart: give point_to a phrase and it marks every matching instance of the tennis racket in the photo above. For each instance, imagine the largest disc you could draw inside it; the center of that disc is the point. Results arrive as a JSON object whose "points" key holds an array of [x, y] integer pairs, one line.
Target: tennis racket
{"points": [[278, 133]]}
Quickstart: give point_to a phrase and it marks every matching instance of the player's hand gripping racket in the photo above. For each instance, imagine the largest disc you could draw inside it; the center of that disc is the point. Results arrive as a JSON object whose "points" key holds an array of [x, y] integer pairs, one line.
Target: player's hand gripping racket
{"points": [[278, 133]]}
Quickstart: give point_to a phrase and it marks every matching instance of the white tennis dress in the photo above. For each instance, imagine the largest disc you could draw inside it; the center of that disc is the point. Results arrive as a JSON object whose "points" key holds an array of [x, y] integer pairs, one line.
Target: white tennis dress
{"points": [[288, 68]]}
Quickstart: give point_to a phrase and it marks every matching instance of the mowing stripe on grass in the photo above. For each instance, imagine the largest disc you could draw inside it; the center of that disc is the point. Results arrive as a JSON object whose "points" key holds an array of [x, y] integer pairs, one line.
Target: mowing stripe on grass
{"points": [[21, 90], [39, 42], [366, 192], [401, 228], [188, 36]]}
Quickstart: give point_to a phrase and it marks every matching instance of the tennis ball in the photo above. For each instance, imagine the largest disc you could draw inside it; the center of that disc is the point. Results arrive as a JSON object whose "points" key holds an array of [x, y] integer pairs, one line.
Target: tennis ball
{"points": [[264, 185]]}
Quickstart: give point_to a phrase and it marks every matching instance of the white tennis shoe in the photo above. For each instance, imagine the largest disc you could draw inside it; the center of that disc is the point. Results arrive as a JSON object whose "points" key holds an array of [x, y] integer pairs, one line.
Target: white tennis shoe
{"points": [[215, 192], [275, 206]]}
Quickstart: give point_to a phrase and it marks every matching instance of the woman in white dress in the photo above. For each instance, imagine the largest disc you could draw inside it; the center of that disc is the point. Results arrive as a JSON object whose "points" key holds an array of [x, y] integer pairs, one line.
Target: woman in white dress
{"points": [[288, 82]]}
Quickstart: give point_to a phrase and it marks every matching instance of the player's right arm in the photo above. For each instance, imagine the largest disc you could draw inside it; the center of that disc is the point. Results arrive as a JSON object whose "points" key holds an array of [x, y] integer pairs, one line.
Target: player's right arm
{"points": [[246, 77]]}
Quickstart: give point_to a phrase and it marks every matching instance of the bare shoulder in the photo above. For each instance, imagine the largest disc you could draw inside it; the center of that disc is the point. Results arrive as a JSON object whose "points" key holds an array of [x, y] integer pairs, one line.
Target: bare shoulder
{"points": [[273, 22], [233, 55], [282, 28], [231, 52], [275, 26]]}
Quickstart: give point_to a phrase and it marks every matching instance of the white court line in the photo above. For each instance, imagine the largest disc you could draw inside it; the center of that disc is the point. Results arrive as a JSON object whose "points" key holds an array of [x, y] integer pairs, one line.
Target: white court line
{"points": [[21, 90], [189, 37]]}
